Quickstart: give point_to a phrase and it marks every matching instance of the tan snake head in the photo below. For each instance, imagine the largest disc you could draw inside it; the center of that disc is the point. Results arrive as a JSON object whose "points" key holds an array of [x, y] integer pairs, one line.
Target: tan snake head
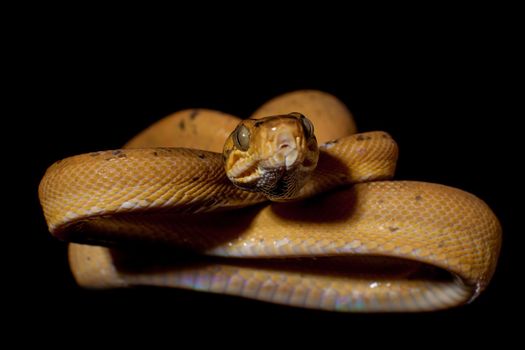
{"points": [[274, 155]]}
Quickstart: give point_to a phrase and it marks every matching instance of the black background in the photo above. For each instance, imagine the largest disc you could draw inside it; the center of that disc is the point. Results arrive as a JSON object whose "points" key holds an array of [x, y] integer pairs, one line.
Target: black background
{"points": [[440, 95]]}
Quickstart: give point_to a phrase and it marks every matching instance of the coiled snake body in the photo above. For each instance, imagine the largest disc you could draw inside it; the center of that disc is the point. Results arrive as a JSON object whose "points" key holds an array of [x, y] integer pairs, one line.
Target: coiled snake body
{"points": [[356, 241]]}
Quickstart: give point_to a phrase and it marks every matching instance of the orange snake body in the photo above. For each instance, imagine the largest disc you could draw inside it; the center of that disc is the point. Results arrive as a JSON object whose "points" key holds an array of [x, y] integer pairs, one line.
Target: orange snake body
{"points": [[362, 243]]}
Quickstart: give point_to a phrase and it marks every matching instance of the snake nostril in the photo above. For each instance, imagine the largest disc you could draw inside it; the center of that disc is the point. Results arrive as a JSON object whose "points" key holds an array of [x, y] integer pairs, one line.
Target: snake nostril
{"points": [[284, 145]]}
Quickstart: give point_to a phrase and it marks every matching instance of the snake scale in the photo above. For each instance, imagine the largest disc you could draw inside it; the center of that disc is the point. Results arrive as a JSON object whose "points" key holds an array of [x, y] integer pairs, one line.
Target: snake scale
{"points": [[152, 214]]}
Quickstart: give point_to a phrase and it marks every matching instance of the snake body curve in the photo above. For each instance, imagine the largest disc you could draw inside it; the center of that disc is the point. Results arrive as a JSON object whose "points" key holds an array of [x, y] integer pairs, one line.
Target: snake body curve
{"points": [[378, 245]]}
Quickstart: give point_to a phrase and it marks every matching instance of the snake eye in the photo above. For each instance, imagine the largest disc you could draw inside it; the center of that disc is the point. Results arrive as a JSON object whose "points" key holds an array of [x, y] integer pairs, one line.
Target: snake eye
{"points": [[308, 127], [241, 138]]}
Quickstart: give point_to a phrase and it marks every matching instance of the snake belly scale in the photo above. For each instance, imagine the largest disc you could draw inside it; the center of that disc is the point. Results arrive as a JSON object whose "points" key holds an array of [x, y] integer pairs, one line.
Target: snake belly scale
{"points": [[355, 240]]}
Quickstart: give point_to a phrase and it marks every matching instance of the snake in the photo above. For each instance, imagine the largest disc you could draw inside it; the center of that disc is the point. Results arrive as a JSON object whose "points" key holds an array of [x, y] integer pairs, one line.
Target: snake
{"points": [[289, 206]]}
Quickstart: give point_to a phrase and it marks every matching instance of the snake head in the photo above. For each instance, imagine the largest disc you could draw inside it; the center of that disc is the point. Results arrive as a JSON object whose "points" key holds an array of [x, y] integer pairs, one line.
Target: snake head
{"points": [[274, 155]]}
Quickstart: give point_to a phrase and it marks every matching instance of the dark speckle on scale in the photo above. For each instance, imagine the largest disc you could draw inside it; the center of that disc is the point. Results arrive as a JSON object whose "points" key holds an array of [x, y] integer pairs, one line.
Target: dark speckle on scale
{"points": [[194, 113], [363, 137], [182, 125]]}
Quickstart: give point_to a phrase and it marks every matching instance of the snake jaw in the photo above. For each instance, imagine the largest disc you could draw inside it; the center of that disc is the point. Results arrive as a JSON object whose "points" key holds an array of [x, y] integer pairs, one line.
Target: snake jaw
{"points": [[243, 169]]}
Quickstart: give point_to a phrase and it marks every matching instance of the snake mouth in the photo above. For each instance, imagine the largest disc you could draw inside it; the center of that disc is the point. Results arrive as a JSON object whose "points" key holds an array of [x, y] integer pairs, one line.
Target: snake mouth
{"points": [[243, 171], [261, 175], [248, 175]]}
